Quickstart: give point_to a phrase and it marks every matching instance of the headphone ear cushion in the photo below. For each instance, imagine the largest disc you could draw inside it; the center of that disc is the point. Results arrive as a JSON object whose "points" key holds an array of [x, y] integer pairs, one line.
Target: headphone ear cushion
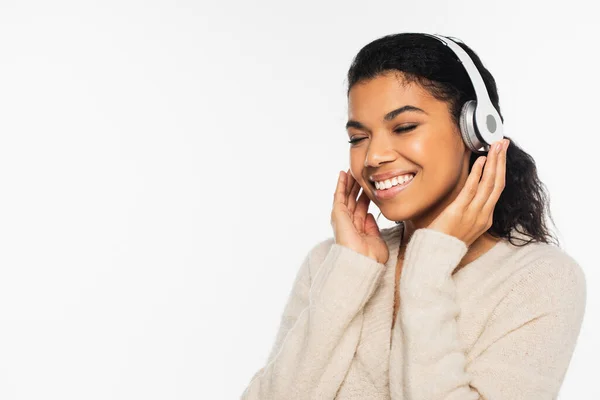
{"points": [[467, 125]]}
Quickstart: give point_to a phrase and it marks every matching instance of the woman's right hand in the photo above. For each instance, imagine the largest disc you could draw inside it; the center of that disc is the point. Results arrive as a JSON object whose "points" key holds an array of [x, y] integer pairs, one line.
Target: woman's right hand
{"points": [[352, 226]]}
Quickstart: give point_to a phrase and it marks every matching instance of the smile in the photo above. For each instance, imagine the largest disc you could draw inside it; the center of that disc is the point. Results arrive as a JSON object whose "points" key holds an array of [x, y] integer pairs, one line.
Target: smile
{"points": [[391, 187]]}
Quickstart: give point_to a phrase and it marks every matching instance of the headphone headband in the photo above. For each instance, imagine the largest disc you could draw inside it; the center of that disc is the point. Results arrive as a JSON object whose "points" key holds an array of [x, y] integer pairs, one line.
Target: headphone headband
{"points": [[486, 118]]}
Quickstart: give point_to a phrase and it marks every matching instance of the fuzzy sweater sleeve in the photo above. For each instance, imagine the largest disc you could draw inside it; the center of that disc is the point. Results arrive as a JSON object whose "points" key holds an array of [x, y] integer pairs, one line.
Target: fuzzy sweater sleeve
{"points": [[320, 326], [530, 337]]}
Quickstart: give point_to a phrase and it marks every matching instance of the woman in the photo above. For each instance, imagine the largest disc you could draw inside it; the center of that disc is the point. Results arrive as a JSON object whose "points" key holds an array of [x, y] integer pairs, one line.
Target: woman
{"points": [[466, 297]]}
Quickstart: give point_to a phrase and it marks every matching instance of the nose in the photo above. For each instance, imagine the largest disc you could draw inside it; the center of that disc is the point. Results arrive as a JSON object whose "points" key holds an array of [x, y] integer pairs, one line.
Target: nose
{"points": [[380, 151]]}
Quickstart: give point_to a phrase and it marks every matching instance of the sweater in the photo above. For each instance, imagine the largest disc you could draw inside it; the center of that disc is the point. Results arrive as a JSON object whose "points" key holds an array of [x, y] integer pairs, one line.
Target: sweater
{"points": [[502, 327]]}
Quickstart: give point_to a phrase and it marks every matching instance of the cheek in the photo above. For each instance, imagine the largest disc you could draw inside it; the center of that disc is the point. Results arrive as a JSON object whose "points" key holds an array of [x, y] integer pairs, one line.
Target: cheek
{"points": [[356, 161], [420, 147], [442, 175], [356, 170], [435, 152]]}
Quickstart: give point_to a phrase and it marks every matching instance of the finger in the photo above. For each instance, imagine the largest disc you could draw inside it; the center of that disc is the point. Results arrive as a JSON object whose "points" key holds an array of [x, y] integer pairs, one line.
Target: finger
{"points": [[500, 183], [349, 182], [339, 196], [468, 191], [488, 181], [360, 213], [371, 227], [352, 196]]}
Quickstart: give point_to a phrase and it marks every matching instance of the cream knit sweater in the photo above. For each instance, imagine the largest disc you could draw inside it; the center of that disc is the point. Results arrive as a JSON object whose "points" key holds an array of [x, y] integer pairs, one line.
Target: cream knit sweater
{"points": [[503, 327]]}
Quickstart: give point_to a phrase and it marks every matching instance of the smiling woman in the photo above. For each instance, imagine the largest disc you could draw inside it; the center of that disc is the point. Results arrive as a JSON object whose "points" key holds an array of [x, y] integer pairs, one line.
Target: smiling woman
{"points": [[468, 296]]}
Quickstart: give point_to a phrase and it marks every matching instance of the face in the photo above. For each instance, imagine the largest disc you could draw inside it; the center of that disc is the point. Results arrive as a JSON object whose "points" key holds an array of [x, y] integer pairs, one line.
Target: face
{"points": [[426, 143]]}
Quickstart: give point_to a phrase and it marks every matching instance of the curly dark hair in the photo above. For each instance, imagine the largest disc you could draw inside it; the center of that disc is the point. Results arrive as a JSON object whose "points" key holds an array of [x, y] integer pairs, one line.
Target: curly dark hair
{"points": [[420, 58]]}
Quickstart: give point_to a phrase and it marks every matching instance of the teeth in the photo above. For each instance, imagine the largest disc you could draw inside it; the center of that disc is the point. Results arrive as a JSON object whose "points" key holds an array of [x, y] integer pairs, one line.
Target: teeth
{"points": [[397, 180]]}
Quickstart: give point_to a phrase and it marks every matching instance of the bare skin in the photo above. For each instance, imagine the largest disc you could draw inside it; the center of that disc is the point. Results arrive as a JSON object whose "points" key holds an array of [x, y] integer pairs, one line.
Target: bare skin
{"points": [[434, 149]]}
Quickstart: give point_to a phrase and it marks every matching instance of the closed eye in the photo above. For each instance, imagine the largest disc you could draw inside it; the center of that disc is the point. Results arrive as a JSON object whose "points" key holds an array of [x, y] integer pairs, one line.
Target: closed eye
{"points": [[405, 128], [397, 130]]}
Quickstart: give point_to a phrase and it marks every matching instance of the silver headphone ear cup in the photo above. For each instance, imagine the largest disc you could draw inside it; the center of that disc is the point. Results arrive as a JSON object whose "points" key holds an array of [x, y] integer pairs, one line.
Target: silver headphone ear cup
{"points": [[467, 127]]}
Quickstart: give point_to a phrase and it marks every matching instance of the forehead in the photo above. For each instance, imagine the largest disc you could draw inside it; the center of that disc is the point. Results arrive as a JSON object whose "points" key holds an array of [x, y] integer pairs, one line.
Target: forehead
{"points": [[384, 93]]}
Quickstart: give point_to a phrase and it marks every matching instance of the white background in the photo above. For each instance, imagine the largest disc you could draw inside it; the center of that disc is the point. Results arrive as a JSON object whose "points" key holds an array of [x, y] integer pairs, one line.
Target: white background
{"points": [[159, 160]]}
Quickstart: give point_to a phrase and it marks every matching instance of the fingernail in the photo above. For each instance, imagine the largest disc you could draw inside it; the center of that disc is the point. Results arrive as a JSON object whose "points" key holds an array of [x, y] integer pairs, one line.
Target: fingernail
{"points": [[499, 147]]}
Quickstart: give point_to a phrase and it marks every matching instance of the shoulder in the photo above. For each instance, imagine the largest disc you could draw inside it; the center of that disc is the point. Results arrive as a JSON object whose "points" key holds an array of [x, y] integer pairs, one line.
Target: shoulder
{"points": [[548, 262], [546, 275]]}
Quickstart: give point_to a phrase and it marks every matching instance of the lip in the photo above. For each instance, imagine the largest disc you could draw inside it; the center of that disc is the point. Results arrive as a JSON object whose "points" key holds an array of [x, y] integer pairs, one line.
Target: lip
{"points": [[391, 192], [390, 174]]}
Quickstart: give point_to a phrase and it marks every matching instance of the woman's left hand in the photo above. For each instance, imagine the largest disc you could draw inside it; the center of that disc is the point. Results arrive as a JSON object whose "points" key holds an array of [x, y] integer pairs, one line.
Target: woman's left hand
{"points": [[471, 213]]}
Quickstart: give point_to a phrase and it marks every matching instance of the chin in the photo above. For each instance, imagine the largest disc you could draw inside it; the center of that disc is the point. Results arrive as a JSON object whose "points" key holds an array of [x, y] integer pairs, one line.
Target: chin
{"points": [[394, 215], [403, 211]]}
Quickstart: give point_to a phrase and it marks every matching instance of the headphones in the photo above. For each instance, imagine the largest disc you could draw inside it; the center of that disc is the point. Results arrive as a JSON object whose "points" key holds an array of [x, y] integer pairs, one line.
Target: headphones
{"points": [[480, 123]]}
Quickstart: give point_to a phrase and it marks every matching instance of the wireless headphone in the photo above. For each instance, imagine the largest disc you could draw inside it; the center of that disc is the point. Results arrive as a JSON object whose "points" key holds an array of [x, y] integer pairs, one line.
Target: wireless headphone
{"points": [[480, 123]]}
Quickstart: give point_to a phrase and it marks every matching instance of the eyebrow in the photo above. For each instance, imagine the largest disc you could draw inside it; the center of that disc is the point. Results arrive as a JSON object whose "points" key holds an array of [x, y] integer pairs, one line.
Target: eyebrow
{"points": [[387, 117]]}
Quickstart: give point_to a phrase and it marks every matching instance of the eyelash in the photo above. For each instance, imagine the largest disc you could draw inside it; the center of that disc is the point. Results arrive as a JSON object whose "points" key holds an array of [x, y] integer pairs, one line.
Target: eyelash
{"points": [[399, 130]]}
